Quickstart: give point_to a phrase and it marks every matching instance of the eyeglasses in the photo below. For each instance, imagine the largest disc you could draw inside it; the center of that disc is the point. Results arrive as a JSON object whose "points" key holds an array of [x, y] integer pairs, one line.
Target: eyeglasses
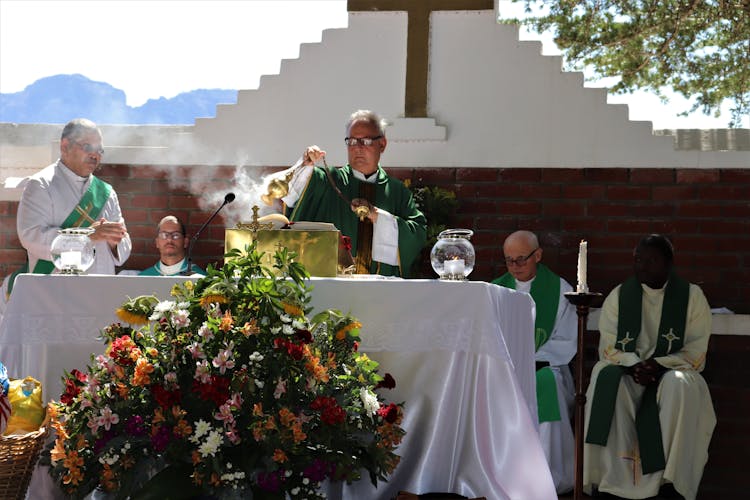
{"points": [[520, 261], [173, 235], [364, 141], [89, 148]]}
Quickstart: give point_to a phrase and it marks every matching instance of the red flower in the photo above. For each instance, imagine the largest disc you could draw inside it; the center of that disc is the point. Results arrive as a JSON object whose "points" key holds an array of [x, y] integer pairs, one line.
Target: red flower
{"points": [[165, 398], [333, 415], [217, 390], [389, 413], [304, 336], [388, 382], [121, 349]]}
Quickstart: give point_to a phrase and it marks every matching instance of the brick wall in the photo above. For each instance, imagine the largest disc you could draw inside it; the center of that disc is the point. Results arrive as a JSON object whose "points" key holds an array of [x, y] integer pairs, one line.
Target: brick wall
{"points": [[705, 212]]}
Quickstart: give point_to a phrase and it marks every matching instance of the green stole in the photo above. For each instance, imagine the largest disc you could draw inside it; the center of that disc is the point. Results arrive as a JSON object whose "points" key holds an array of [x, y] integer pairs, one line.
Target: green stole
{"points": [[671, 337], [90, 205], [545, 290]]}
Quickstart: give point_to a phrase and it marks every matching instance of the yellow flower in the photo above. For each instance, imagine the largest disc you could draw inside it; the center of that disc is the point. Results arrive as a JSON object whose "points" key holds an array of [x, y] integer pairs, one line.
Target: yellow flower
{"points": [[209, 299], [291, 309], [341, 333], [131, 317]]}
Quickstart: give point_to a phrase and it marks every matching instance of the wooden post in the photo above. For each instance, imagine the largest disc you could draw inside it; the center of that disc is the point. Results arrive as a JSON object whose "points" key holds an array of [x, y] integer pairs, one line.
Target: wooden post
{"points": [[582, 301]]}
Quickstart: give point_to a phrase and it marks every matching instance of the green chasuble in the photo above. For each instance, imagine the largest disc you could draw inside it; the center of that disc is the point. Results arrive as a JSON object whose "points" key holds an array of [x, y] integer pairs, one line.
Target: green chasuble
{"points": [[671, 336], [88, 208], [319, 202], [545, 290]]}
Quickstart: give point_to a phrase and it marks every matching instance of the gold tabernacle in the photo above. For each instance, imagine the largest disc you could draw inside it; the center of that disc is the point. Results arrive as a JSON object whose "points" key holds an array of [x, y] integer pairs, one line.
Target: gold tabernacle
{"points": [[317, 250]]}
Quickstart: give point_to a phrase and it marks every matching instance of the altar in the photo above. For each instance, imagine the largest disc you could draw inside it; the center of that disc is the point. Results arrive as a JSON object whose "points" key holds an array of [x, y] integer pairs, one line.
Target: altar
{"points": [[462, 355]]}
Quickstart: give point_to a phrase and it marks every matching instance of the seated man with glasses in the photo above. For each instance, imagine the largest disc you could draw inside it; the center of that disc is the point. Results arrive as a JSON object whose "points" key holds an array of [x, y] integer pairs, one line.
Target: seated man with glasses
{"points": [[65, 195], [376, 211], [555, 340], [171, 242]]}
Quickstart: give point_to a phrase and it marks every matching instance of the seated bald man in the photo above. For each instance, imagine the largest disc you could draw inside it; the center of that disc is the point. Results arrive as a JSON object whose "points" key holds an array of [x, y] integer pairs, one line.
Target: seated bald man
{"points": [[555, 337]]}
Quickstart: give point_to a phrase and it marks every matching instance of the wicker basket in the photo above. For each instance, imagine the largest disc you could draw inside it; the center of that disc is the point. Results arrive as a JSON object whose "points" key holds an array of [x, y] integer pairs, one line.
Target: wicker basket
{"points": [[18, 456]]}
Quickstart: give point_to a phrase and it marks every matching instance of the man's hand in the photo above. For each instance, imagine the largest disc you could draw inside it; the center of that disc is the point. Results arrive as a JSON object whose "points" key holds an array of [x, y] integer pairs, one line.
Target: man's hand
{"points": [[372, 213], [111, 232], [647, 372], [312, 155]]}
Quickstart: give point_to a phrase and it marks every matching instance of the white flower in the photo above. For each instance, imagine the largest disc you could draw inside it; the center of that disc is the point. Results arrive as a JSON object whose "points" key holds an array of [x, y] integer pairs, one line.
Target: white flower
{"points": [[275, 329], [180, 318], [201, 428], [370, 401], [161, 308], [299, 325], [212, 444], [259, 383], [285, 318], [287, 329]]}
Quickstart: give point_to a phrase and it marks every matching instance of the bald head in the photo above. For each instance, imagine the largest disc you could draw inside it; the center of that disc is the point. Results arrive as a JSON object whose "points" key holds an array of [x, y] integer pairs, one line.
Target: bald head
{"points": [[522, 254]]}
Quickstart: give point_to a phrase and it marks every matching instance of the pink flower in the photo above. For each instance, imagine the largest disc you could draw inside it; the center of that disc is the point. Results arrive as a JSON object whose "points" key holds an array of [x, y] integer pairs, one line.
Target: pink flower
{"points": [[223, 361], [107, 418]]}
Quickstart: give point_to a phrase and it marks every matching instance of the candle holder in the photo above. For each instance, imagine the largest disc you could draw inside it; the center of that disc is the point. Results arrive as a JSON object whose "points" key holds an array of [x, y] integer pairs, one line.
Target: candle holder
{"points": [[582, 301], [452, 257]]}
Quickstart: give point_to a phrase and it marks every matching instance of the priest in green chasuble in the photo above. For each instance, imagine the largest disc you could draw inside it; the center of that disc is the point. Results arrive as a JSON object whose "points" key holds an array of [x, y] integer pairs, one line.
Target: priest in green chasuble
{"points": [[376, 211], [555, 341], [67, 194], [649, 415]]}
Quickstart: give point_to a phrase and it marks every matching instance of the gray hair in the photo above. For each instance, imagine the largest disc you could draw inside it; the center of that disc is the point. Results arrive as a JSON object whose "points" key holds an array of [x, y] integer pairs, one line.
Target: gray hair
{"points": [[367, 116], [77, 128]]}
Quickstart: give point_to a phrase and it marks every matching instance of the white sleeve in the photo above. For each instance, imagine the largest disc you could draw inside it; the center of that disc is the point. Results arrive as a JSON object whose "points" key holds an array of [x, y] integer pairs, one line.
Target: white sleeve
{"points": [[563, 342], [298, 182], [35, 214], [385, 239]]}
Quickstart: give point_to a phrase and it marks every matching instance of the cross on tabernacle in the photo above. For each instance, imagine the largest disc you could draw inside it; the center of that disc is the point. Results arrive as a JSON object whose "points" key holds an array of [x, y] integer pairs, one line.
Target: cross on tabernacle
{"points": [[417, 40]]}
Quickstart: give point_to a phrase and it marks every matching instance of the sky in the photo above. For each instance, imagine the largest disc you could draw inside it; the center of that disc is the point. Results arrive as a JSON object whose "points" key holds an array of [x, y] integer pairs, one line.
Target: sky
{"points": [[160, 48]]}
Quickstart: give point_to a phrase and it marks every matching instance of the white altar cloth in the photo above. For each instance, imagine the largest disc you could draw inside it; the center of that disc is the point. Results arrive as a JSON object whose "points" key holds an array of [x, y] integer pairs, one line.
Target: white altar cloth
{"points": [[461, 354]]}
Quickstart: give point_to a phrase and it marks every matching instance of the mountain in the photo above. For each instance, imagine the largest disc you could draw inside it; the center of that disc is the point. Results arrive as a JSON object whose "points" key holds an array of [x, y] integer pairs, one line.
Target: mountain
{"points": [[57, 99]]}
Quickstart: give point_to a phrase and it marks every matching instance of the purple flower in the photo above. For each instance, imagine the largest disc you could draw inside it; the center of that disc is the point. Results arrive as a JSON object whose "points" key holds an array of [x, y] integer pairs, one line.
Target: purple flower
{"points": [[318, 470], [134, 426], [102, 441], [270, 481], [160, 440]]}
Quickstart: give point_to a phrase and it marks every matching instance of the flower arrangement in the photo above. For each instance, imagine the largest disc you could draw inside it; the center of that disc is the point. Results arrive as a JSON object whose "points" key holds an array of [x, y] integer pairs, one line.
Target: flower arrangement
{"points": [[226, 390]]}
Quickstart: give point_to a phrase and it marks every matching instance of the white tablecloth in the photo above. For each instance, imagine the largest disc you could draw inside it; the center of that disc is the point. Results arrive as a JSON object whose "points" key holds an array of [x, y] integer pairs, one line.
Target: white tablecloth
{"points": [[461, 354]]}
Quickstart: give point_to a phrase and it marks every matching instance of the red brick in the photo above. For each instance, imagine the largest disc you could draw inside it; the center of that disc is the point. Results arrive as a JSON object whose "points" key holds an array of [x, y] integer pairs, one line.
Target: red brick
{"points": [[518, 207], [562, 175], [736, 176], [487, 190], [520, 175], [725, 192], [698, 209], [540, 225], [476, 174], [637, 226], [479, 206], [736, 210], [147, 201], [607, 175], [429, 176], [658, 210], [688, 243], [724, 226], [682, 192], [692, 176], [583, 191], [495, 223], [609, 209], [567, 209], [652, 175], [628, 193], [584, 224], [539, 191], [671, 226]]}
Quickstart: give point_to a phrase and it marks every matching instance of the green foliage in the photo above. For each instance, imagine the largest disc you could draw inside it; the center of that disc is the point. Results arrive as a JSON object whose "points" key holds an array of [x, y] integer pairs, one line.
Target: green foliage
{"points": [[438, 205], [698, 49]]}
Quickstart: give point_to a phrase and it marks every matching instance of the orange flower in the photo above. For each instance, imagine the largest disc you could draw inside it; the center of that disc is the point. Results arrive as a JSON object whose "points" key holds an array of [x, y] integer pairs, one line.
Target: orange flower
{"points": [[250, 328], [258, 409], [279, 456], [74, 477], [286, 417], [182, 429], [227, 322], [58, 452], [195, 457], [122, 390], [158, 416], [142, 370]]}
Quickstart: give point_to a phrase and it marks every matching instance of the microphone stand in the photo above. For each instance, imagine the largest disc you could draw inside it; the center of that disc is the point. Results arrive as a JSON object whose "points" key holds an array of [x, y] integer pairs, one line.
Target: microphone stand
{"points": [[229, 198]]}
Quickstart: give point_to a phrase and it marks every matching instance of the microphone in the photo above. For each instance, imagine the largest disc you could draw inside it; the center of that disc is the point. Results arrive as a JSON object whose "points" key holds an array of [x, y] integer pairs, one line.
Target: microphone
{"points": [[228, 198]]}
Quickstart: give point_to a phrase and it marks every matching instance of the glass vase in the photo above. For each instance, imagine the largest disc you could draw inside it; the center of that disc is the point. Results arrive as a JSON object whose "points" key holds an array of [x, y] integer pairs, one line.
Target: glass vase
{"points": [[452, 257], [72, 250]]}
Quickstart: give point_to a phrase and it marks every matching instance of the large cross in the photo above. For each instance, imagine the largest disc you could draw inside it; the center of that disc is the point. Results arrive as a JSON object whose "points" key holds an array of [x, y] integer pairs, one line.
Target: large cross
{"points": [[417, 40]]}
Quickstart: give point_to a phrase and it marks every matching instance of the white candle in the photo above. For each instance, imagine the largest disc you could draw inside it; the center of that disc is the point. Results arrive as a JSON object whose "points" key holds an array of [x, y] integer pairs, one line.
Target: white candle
{"points": [[454, 268], [582, 250], [70, 259]]}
